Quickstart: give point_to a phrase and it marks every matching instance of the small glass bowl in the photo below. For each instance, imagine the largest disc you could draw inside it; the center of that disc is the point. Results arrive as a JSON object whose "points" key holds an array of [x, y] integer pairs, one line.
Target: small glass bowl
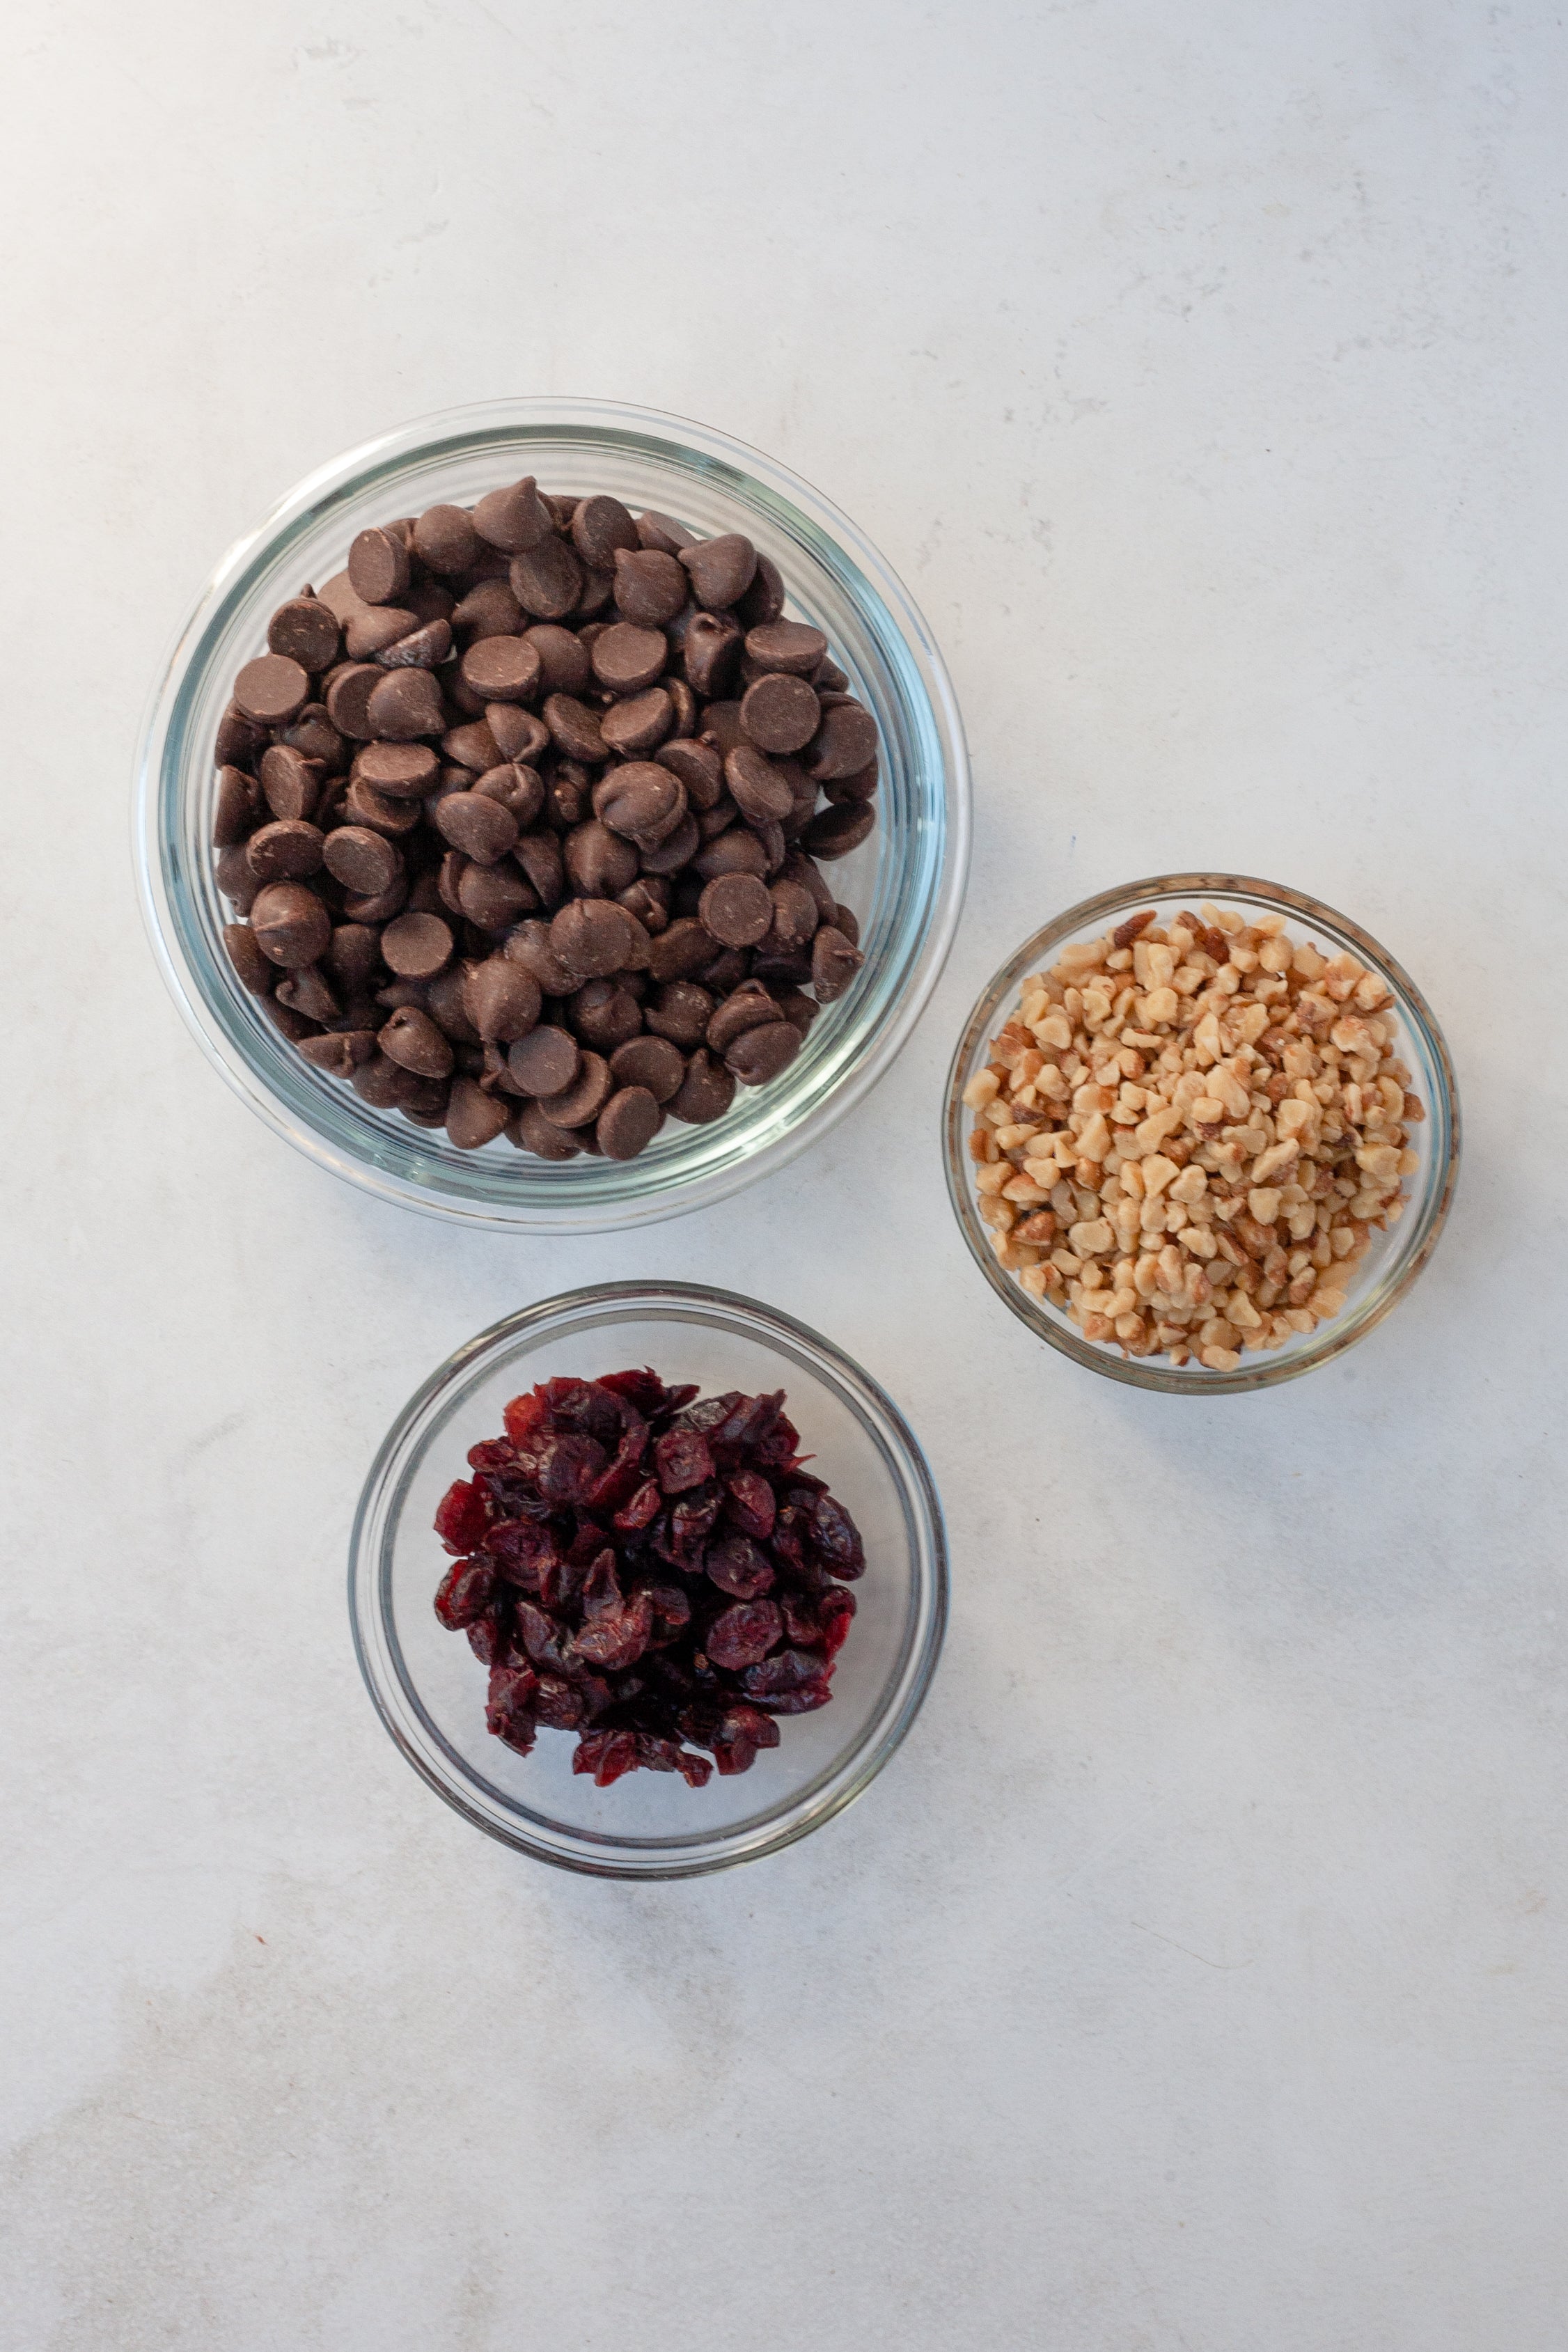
{"points": [[905, 883], [1395, 1259], [429, 1688]]}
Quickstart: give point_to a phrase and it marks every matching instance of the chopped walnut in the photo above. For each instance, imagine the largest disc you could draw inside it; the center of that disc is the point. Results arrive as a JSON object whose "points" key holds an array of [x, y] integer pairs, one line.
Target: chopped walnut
{"points": [[1187, 1135]]}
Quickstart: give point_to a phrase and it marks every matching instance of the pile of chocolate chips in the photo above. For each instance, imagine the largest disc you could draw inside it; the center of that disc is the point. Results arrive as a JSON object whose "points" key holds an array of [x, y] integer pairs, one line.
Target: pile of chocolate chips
{"points": [[522, 811], [647, 1570]]}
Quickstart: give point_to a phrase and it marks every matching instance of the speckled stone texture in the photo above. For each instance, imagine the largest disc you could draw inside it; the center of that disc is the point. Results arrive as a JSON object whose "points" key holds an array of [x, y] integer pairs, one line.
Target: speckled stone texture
{"points": [[1195, 1978]]}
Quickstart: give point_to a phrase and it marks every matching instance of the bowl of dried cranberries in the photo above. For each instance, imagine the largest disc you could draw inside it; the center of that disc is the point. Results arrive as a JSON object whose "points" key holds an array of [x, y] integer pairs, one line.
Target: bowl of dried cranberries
{"points": [[648, 1580]]}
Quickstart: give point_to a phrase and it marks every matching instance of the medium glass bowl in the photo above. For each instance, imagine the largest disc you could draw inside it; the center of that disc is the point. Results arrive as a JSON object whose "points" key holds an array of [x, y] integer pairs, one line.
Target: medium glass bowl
{"points": [[429, 1688], [905, 883], [1395, 1259]]}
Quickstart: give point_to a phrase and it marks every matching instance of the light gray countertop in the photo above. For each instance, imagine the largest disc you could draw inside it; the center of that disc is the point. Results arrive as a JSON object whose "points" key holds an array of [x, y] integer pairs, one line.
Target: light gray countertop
{"points": [[1194, 1977]]}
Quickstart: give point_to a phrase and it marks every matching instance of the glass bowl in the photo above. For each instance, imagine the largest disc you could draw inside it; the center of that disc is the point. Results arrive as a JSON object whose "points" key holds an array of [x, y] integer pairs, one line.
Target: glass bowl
{"points": [[905, 883], [1395, 1259], [429, 1688]]}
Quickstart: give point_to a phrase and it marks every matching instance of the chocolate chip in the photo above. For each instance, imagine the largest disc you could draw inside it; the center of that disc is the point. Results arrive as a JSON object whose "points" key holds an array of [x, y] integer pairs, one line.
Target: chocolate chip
{"points": [[650, 586], [547, 581], [700, 770], [545, 1062], [601, 527], [629, 1120], [795, 918], [675, 850], [788, 646], [474, 1118], [780, 713], [590, 935], [352, 956], [660, 532], [736, 910], [748, 1007], [286, 851], [760, 790], [706, 1093], [710, 650], [603, 1014], [835, 961], [291, 784], [340, 1056], [493, 897], [720, 570], [404, 704], [488, 610], [445, 538], [860, 786], [737, 851], [846, 742], [374, 627], [306, 991], [314, 737], [305, 631], [515, 520], [501, 669], [236, 807], [471, 747], [422, 649], [416, 947], [531, 1131], [480, 827], [628, 657], [563, 664], [377, 907], [680, 950], [680, 1011], [650, 1062], [412, 1040], [290, 924], [378, 566], [519, 735], [598, 862], [539, 856], [529, 944], [579, 1103], [270, 690], [759, 1054], [404, 771], [764, 599], [847, 921], [835, 831], [256, 970], [642, 801], [576, 730], [363, 861], [640, 724]]}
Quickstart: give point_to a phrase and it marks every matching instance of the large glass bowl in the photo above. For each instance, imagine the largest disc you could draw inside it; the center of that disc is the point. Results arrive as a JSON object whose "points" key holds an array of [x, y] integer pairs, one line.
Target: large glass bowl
{"points": [[905, 883], [1395, 1259], [429, 1688]]}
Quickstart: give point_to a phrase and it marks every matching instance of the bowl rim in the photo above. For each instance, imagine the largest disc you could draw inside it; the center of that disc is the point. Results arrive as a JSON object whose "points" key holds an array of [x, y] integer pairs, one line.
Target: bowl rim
{"points": [[1254, 1371], [378, 1516], [756, 476]]}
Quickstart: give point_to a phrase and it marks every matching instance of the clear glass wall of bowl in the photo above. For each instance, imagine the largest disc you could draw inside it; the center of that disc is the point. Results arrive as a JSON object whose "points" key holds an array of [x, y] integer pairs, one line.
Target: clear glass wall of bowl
{"points": [[1396, 1257], [429, 1688], [905, 884]]}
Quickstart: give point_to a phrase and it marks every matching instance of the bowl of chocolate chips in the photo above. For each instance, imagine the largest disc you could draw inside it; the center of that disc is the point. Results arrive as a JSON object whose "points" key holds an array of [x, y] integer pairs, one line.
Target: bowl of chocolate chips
{"points": [[552, 815]]}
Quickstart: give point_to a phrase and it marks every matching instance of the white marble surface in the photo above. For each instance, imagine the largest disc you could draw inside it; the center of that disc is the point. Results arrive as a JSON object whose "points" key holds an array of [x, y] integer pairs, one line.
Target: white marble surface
{"points": [[1194, 1977]]}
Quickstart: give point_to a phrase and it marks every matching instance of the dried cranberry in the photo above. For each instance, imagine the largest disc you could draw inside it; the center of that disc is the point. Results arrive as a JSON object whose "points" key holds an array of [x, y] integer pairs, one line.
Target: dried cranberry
{"points": [[743, 1634], [521, 1549], [643, 1506], [561, 1590], [465, 1594], [682, 1460], [618, 1637], [523, 1415], [606, 1755], [738, 1566], [749, 1502], [493, 1457], [835, 1538], [645, 1391], [462, 1516]]}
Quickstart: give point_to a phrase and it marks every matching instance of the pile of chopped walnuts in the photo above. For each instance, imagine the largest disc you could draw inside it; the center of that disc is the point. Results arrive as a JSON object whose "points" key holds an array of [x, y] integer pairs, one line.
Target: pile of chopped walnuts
{"points": [[1187, 1135]]}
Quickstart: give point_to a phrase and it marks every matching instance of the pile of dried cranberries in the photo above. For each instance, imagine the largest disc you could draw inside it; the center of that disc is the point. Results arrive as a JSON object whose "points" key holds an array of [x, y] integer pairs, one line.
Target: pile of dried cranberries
{"points": [[646, 1568]]}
